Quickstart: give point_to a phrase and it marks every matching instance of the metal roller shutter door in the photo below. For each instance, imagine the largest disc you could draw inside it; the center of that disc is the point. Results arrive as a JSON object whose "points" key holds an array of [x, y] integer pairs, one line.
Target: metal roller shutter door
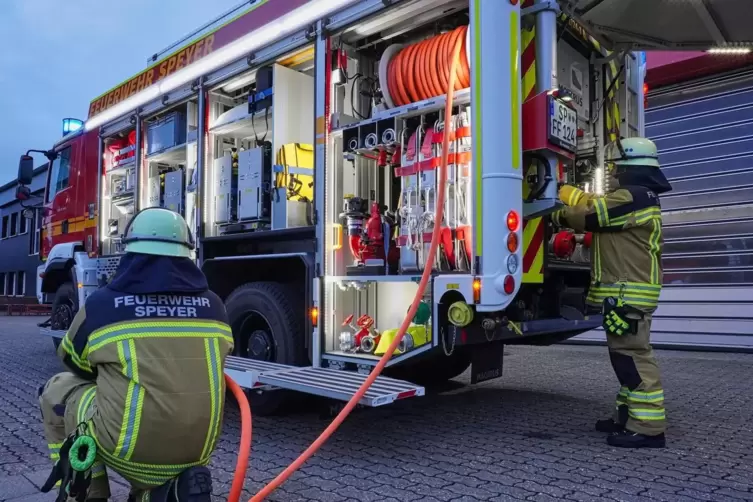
{"points": [[704, 132]]}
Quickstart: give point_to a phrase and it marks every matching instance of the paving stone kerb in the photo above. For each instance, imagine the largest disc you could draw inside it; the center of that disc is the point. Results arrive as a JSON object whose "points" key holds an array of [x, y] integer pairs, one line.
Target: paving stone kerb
{"points": [[526, 437]]}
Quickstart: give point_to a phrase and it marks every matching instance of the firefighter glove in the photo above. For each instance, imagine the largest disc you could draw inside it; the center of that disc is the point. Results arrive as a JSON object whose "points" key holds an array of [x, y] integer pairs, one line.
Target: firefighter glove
{"points": [[568, 194], [620, 318], [72, 471]]}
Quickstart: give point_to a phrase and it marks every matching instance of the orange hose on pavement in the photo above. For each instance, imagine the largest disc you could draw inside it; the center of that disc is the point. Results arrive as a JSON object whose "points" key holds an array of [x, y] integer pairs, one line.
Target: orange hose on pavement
{"points": [[456, 42], [244, 450]]}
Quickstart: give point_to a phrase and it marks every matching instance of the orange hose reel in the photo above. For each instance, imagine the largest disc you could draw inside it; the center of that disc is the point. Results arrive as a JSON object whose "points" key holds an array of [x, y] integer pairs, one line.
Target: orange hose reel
{"points": [[422, 70]]}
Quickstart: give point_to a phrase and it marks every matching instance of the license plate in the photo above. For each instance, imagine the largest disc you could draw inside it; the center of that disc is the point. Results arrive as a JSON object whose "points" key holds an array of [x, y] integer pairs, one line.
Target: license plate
{"points": [[563, 125]]}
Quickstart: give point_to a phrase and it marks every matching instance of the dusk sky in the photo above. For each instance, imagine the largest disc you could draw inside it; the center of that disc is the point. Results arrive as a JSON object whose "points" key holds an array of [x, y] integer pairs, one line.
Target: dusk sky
{"points": [[58, 56]]}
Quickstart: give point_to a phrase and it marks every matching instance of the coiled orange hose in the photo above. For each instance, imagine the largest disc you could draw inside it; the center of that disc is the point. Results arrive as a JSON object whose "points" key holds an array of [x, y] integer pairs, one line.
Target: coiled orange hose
{"points": [[452, 63], [423, 70]]}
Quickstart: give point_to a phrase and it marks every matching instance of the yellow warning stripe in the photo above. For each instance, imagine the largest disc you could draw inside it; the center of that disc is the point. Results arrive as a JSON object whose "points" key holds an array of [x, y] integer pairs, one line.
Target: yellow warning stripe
{"points": [[529, 74], [69, 220], [515, 74], [477, 140], [535, 272], [79, 226]]}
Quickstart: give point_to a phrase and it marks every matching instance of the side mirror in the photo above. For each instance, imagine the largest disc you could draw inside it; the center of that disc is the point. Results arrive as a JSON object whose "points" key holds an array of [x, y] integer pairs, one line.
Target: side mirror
{"points": [[28, 213], [25, 170], [23, 193]]}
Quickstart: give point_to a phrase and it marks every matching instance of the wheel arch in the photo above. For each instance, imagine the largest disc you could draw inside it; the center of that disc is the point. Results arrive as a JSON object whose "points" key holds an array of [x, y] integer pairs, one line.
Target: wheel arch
{"points": [[59, 267], [294, 270], [56, 273], [225, 274]]}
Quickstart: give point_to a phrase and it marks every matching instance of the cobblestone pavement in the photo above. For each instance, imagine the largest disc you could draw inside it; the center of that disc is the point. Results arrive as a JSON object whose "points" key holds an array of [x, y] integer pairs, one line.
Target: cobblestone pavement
{"points": [[526, 437]]}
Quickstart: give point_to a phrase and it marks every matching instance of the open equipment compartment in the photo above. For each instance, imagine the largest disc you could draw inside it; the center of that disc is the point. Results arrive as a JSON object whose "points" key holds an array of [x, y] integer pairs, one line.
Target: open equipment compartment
{"points": [[260, 148], [118, 187], [381, 180], [170, 160]]}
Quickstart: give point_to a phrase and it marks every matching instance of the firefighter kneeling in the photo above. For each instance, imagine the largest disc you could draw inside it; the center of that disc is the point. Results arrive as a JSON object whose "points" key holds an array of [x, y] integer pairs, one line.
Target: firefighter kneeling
{"points": [[146, 390], [626, 279]]}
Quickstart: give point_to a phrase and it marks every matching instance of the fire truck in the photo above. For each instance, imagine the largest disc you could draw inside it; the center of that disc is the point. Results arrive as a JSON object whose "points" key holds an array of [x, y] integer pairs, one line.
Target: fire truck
{"points": [[301, 140]]}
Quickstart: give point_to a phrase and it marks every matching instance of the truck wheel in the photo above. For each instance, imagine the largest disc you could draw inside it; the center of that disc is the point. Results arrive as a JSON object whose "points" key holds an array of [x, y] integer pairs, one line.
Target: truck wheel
{"points": [[266, 318], [64, 308], [435, 369]]}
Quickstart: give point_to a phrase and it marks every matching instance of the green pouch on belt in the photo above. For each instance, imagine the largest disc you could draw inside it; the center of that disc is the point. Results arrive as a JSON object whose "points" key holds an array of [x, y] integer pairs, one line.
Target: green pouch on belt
{"points": [[620, 318]]}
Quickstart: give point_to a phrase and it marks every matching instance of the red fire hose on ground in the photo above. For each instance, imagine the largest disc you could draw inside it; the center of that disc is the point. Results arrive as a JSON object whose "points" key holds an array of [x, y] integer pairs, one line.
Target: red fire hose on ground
{"points": [[436, 51]]}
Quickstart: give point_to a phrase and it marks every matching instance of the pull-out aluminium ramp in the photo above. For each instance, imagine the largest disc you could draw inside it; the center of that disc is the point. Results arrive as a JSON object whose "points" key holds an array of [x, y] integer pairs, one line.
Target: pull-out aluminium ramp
{"points": [[54, 333], [324, 382], [664, 24], [246, 372]]}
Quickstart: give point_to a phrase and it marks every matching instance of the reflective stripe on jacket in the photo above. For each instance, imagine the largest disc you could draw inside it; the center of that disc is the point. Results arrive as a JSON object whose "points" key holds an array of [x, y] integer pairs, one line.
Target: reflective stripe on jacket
{"points": [[627, 243]]}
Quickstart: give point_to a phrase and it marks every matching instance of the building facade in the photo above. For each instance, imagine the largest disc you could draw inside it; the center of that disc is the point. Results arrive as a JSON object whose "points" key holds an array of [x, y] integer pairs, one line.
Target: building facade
{"points": [[19, 242], [700, 115]]}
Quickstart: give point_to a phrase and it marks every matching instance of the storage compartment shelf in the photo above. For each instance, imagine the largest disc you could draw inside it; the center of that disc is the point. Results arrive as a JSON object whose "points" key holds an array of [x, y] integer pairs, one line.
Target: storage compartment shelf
{"points": [[243, 126], [173, 155], [122, 167], [373, 278], [371, 359], [339, 355], [461, 97], [123, 198]]}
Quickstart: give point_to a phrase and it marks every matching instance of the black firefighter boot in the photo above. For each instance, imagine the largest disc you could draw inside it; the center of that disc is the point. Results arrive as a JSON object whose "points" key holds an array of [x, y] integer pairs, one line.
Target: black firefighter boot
{"points": [[628, 439], [612, 426], [193, 485], [609, 426]]}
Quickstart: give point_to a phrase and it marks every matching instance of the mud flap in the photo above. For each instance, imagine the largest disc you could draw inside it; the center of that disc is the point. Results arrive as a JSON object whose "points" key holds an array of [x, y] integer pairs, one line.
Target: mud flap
{"points": [[486, 362]]}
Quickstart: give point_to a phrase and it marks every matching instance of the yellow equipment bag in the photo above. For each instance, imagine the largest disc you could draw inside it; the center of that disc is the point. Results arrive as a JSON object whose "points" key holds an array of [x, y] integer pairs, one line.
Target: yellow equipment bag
{"points": [[297, 161]]}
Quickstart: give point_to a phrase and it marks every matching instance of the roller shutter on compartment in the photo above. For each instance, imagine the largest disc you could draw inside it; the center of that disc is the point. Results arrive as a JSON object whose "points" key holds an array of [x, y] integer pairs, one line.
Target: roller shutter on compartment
{"points": [[704, 133]]}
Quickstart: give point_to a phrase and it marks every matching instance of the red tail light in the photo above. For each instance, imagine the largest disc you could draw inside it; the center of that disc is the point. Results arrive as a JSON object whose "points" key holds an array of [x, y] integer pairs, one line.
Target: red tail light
{"points": [[513, 221], [509, 284]]}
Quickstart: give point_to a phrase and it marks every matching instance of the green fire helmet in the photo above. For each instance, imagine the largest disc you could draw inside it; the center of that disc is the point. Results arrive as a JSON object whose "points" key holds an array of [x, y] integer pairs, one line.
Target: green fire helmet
{"points": [[160, 232], [633, 152]]}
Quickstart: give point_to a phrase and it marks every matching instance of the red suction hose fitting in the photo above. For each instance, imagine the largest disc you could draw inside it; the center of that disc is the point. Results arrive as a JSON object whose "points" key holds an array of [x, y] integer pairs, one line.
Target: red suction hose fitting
{"points": [[563, 244]]}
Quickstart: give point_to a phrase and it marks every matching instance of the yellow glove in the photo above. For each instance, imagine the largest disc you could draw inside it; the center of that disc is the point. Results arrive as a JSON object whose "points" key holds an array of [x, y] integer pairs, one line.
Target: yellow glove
{"points": [[569, 195]]}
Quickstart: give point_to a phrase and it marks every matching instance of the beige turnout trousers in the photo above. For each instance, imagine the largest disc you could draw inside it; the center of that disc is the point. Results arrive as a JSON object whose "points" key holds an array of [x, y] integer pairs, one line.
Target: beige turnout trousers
{"points": [[640, 401], [63, 408]]}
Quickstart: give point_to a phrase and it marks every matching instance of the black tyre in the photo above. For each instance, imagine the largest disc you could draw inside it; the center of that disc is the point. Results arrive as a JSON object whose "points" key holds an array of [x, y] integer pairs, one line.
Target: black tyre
{"points": [[64, 308], [267, 322], [433, 370]]}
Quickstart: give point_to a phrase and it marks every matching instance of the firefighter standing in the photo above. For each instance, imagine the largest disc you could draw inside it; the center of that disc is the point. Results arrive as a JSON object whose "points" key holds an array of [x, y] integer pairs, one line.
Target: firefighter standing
{"points": [[626, 279], [146, 355]]}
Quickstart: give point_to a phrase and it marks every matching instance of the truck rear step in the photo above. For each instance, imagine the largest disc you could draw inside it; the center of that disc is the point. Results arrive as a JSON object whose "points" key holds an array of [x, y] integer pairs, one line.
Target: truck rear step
{"points": [[246, 372], [334, 384], [55, 333]]}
